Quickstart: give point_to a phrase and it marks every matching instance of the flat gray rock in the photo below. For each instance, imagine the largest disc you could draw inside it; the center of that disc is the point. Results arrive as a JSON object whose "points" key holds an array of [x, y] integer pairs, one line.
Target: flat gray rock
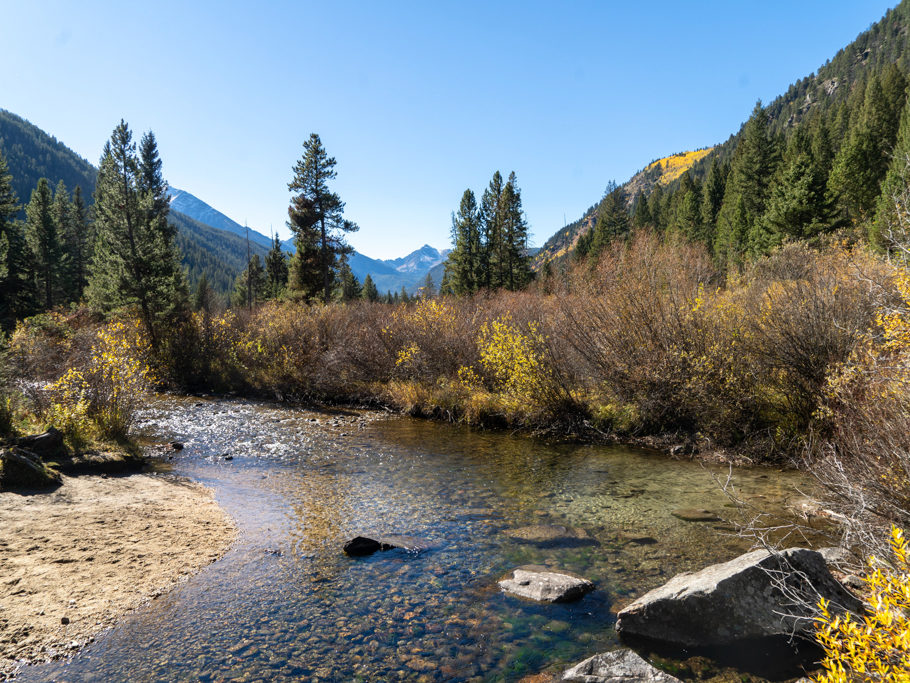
{"points": [[695, 515], [618, 666], [551, 535], [756, 595], [545, 584]]}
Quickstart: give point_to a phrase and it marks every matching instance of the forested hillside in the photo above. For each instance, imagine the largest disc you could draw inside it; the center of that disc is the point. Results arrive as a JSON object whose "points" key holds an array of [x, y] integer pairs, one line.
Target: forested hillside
{"points": [[32, 154], [810, 162]]}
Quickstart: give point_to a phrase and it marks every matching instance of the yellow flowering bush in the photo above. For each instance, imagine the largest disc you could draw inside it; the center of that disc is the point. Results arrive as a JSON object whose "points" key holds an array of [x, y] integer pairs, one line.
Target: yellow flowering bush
{"points": [[111, 385], [876, 647]]}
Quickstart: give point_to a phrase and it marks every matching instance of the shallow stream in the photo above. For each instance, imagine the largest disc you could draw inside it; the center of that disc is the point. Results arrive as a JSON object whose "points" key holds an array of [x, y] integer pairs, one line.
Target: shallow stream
{"points": [[285, 603]]}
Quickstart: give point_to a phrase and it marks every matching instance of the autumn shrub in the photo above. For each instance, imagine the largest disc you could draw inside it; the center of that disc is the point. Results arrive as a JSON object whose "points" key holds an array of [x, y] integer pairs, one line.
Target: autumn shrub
{"points": [[109, 388], [875, 647]]}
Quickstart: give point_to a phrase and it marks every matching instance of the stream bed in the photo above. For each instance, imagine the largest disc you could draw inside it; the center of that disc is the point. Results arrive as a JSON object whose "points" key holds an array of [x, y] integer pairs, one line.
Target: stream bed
{"points": [[285, 603]]}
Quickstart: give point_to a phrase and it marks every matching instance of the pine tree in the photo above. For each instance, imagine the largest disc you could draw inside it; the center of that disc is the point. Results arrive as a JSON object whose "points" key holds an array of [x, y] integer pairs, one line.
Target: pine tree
{"points": [[641, 215], [712, 199], [491, 220], [316, 219], [204, 297], [15, 285], [370, 293], [135, 259], [62, 211], [78, 242], [688, 209], [886, 227], [465, 263], [517, 264], [276, 268], [251, 286], [349, 287], [613, 218], [746, 191], [427, 289], [44, 242], [403, 296], [862, 161]]}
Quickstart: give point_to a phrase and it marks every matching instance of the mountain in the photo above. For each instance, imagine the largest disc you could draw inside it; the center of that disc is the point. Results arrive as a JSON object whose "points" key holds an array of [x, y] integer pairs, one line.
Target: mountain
{"points": [[833, 94], [32, 154], [407, 271], [195, 208]]}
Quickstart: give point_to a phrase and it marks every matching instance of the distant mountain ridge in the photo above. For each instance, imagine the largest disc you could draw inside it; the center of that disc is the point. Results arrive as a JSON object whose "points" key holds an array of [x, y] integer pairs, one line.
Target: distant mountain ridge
{"points": [[195, 208]]}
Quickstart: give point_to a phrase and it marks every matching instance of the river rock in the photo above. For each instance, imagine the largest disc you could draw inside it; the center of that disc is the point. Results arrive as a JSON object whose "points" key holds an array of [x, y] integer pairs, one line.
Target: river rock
{"points": [[744, 598], [618, 666], [551, 535], [545, 584], [44, 445], [366, 545], [695, 515], [20, 468]]}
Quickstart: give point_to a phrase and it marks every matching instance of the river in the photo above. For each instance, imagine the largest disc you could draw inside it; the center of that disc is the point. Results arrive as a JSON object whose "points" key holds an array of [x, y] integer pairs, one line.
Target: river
{"points": [[285, 603]]}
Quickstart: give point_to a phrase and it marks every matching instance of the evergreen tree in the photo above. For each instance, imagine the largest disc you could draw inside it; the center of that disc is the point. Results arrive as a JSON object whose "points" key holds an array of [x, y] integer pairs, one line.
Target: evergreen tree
{"points": [[427, 289], [251, 286], [404, 297], [465, 263], [78, 242], [44, 242], [491, 221], [135, 259], [516, 265], [613, 218], [316, 219], [712, 198], [370, 293], [204, 297], [799, 206], [276, 268], [641, 216], [886, 227], [656, 208], [688, 209], [862, 161], [349, 287], [746, 191], [62, 211], [15, 285]]}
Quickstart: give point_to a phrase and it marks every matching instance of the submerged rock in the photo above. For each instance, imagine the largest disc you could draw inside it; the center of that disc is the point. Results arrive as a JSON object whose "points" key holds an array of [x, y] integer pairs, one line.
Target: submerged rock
{"points": [[365, 545], [756, 595], [545, 584], [551, 535], [20, 468], [618, 666], [695, 515]]}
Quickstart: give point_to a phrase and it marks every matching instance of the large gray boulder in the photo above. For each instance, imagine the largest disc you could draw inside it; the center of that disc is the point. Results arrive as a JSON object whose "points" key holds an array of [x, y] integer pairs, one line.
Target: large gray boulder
{"points": [[545, 584], [757, 595], [45, 445], [618, 666]]}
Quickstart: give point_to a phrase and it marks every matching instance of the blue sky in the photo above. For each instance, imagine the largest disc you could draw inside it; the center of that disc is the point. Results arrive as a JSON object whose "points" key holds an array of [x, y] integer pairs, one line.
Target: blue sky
{"points": [[416, 100]]}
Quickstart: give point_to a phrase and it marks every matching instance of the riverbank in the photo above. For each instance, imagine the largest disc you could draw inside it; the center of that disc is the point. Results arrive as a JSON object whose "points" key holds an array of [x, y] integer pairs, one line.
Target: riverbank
{"points": [[75, 560]]}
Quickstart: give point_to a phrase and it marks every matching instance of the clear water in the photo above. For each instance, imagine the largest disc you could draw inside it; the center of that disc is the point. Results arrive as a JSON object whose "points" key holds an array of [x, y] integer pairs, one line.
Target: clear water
{"points": [[286, 604]]}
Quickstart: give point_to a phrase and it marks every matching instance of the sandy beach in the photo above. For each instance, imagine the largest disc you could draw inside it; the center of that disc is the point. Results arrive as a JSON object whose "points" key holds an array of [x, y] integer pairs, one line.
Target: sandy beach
{"points": [[75, 560]]}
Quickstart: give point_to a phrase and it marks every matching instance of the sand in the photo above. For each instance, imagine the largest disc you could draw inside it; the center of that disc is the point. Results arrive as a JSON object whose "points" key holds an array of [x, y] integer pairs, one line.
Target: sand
{"points": [[75, 560]]}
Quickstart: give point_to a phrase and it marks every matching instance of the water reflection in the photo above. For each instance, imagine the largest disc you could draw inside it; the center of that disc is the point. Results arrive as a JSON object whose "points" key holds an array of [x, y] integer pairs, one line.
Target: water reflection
{"points": [[286, 604]]}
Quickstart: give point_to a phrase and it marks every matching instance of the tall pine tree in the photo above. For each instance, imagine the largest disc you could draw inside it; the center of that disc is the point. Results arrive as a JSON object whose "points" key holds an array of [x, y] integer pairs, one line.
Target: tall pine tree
{"points": [[316, 217], [44, 242], [464, 268]]}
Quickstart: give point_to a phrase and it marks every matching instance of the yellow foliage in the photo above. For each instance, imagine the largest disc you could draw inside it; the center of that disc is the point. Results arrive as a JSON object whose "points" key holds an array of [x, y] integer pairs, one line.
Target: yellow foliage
{"points": [[513, 359], [674, 166], [110, 387], [876, 648]]}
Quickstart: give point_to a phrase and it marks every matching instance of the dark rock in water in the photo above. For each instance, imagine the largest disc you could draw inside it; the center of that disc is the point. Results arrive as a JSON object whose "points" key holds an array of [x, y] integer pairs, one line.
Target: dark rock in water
{"points": [[20, 468], [176, 446], [364, 545], [551, 535], [695, 515], [43, 445], [637, 539], [545, 584], [228, 457], [618, 666], [745, 598]]}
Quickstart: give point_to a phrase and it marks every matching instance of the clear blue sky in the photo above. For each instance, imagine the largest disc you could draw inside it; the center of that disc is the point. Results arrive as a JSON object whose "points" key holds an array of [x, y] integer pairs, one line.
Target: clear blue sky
{"points": [[416, 100]]}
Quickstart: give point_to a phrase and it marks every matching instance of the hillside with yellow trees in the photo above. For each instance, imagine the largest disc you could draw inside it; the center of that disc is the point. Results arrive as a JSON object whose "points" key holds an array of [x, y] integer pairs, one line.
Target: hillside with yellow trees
{"points": [[661, 172]]}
